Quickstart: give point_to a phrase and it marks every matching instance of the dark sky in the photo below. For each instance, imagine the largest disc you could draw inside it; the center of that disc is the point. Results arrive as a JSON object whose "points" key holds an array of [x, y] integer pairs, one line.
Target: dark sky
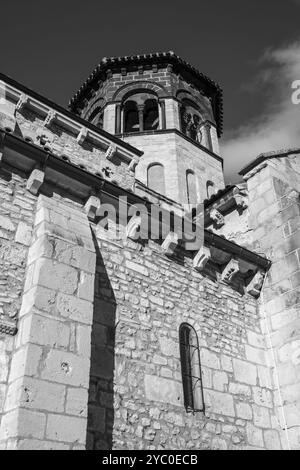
{"points": [[52, 46]]}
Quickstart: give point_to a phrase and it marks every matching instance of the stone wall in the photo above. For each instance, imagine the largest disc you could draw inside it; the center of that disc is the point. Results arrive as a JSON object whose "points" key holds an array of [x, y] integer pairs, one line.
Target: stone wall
{"points": [[177, 155], [45, 404], [136, 396], [274, 207], [17, 208]]}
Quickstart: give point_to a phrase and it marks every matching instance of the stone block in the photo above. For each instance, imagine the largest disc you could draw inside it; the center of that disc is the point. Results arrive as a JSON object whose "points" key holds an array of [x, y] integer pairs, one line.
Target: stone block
{"points": [[75, 309], [45, 332], [25, 361], [209, 359], [66, 429], [219, 403], [244, 411], [37, 394], [220, 380], [6, 223], [254, 436], [23, 423], [76, 402], [86, 286], [245, 372], [169, 347], [272, 441], [66, 368], [255, 355], [23, 234], [40, 298], [261, 417], [262, 397], [163, 390], [56, 276]]}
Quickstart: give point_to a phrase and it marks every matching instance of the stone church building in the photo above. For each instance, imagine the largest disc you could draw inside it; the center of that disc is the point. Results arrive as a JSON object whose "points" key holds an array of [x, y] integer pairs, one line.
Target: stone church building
{"points": [[144, 342]]}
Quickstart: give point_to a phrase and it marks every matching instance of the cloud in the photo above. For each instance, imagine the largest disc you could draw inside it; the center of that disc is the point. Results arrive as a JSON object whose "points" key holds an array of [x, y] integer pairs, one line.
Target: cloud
{"points": [[278, 127]]}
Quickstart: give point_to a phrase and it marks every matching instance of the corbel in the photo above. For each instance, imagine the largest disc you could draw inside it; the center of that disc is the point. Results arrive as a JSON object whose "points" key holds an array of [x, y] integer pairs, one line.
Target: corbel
{"points": [[217, 218], [133, 227], [255, 285], [23, 101], [82, 135], [35, 181], [230, 270], [110, 152], [170, 243], [133, 164], [201, 258], [92, 206], [50, 118]]}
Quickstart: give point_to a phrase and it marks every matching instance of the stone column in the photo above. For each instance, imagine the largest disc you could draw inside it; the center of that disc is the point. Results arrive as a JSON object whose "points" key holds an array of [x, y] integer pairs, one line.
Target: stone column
{"points": [[141, 117], [46, 401], [163, 114], [118, 118]]}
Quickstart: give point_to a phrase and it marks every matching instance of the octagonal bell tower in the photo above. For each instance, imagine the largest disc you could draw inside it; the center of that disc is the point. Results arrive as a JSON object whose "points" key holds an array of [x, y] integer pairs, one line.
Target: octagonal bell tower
{"points": [[169, 110]]}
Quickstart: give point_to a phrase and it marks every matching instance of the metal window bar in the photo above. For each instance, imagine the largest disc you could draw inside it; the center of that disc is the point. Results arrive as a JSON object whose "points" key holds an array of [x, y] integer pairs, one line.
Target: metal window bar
{"points": [[191, 369]]}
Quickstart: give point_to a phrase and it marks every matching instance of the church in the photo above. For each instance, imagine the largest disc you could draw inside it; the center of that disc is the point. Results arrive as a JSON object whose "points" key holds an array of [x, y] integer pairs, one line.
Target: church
{"points": [[120, 329]]}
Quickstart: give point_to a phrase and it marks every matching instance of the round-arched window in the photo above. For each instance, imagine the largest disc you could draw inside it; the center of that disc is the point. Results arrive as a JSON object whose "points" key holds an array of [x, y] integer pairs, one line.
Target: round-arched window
{"points": [[156, 178]]}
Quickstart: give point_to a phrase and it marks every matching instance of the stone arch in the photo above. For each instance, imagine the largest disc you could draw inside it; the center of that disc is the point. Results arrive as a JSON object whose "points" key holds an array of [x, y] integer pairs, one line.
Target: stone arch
{"points": [[185, 94], [97, 105], [156, 177], [134, 87]]}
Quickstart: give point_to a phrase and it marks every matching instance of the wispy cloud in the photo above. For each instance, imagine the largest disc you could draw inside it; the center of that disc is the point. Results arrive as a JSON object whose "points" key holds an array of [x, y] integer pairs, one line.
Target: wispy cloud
{"points": [[278, 126]]}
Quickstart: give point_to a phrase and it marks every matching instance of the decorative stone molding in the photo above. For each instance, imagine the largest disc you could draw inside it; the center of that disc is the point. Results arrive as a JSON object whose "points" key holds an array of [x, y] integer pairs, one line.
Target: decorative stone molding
{"points": [[50, 118], [133, 227], [35, 181], [201, 258], [255, 285], [23, 100], [217, 217], [230, 270], [92, 206], [82, 135], [110, 152], [170, 243], [7, 328]]}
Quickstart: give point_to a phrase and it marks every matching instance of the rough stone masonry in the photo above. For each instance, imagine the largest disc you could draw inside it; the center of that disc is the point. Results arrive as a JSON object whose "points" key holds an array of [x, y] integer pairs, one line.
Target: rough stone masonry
{"points": [[89, 324]]}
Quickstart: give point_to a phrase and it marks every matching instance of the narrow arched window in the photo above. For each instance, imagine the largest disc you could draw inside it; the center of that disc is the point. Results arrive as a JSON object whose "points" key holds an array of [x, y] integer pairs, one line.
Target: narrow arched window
{"points": [[209, 189], [191, 187], [151, 119], [156, 178], [190, 369], [131, 117]]}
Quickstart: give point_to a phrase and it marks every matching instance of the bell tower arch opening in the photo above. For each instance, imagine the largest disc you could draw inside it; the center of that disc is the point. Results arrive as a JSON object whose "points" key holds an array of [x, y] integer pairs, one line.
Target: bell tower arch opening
{"points": [[163, 106]]}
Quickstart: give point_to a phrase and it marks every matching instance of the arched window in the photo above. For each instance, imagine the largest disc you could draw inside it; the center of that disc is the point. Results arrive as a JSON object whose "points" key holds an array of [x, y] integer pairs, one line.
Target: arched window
{"points": [[150, 115], [140, 113], [191, 187], [156, 178], [209, 189], [191, 120], [190, 368], [131, 117]]}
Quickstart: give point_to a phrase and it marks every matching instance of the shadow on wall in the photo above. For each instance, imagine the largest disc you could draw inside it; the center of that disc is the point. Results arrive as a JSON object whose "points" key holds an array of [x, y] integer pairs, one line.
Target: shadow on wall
{"points": [[101, 394]]}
